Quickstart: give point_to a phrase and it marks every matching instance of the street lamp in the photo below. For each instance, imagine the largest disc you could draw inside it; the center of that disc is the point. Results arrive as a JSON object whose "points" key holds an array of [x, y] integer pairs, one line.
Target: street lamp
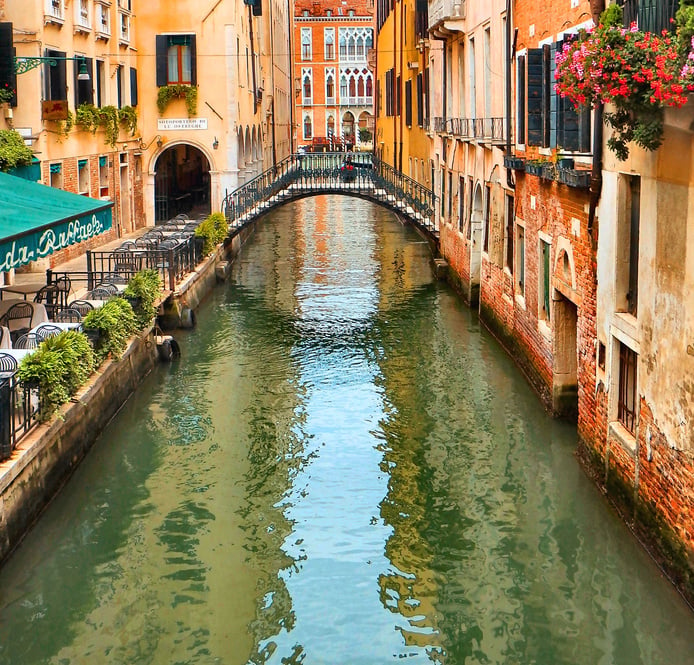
{"points": [[25, 64]]}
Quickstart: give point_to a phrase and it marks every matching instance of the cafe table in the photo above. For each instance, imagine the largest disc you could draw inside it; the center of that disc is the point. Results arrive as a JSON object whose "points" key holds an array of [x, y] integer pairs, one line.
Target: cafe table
{"points": [[40, 314], [23, 290]]}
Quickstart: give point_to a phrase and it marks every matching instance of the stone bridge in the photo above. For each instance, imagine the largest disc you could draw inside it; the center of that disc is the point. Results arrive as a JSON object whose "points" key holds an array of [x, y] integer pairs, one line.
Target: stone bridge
{"points": [[352, 174]]}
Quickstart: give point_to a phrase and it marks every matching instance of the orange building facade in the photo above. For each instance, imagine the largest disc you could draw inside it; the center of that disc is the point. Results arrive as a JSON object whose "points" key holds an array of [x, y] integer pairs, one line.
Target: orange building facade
{"points": [[333, 79]]}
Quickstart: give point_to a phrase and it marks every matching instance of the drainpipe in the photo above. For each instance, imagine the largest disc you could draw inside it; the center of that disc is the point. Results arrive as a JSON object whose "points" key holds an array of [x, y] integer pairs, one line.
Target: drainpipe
{"points": [[509, 57], [255, 85], [596, 173], [402, 82]]}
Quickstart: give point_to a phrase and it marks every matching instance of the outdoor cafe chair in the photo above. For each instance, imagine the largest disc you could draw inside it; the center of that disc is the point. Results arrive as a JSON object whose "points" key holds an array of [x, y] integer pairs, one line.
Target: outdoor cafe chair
{"points": [[82, 306], [111, 288], [68, 315], [114, 278], [47, 330], [18, 312], [48, 296], [28, 341], [126, 245], [98, 294], [8, 365]]}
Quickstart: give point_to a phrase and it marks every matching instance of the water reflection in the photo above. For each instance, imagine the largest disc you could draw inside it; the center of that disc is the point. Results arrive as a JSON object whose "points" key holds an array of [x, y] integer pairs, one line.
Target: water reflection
{"points": [[343, 468]]}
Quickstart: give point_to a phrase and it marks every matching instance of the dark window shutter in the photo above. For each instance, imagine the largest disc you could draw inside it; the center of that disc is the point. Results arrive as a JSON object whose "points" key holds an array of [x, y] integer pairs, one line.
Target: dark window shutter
{"points": [[162, 60], [534, 65], [56, 76], [584, 130], [408, 103], [257, 8], [193, 61], [420, 105], [8, 76], [546, 97], [133, 86], [398, 96], [84, 90], [552, 95], [520, 99]]}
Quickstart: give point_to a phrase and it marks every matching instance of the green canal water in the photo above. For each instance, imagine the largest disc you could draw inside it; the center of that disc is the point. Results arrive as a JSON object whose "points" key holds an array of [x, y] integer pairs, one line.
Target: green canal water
{"points": [[343, 468]]}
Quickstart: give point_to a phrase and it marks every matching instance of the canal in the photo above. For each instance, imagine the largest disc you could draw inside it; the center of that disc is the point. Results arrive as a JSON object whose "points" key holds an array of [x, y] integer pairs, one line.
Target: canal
{"points": [[343, 468]]}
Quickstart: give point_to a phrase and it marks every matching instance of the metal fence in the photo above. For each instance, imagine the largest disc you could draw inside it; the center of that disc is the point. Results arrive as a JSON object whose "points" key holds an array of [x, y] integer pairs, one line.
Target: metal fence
{"points": [[19, 408], [119, 266], [482, 129]]}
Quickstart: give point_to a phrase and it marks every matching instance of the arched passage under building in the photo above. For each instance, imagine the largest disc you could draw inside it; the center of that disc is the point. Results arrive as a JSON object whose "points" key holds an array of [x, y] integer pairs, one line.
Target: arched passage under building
{"points": [[181, 182]]}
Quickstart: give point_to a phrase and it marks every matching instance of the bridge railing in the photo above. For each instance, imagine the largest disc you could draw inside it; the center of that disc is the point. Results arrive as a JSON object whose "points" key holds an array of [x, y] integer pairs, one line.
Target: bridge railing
{"points": [[360, 173]]}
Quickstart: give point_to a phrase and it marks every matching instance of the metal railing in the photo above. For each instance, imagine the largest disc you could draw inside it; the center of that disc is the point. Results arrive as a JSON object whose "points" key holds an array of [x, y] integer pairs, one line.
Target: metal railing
{"points": [[19, 409], [482, 129], [314, 173], [118, 267], [650, 15]]}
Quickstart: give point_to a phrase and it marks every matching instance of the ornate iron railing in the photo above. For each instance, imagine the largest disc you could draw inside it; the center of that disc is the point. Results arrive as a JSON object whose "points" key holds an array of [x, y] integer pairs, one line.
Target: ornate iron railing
{"points": [[19, 408], [483, 129], [314, 173]]}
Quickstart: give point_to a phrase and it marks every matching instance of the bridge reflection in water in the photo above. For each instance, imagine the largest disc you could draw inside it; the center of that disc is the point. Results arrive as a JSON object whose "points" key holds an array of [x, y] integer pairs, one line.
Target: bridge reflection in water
{"points": [[342, 469]]}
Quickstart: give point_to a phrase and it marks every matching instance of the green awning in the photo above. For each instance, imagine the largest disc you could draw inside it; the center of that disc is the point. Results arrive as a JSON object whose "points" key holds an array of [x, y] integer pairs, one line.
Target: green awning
{"points": [[36, 220]]}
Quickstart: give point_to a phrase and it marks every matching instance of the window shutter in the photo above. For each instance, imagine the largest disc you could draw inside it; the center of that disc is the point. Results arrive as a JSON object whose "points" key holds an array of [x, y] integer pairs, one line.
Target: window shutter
{"points": [[546, 97], [257, 8], [8, 76], [408, 103], [84, 90], [520, 99], [534, 66], [193, 61], [398, 96], [133, 86], [552, 95], [162, 60], [420, 105]]}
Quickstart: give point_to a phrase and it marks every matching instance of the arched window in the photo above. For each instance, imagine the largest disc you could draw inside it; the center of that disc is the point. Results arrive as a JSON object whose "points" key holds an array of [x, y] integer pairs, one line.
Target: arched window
{"points": [[352, 87], [343, 46], [343, 86], [330, 89], [369, 86], [308, 127], [307, 88], [331, 126], [351, 48], [360, 87]]}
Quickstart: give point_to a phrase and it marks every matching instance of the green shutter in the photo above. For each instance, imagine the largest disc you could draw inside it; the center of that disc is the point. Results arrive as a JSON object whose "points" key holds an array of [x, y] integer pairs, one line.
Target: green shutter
{"points": [[535, 97]]}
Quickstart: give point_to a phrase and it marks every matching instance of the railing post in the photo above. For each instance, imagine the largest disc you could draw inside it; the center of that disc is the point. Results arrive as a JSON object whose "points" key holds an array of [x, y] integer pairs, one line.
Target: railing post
{"points": [[172, 270], [49, 276], [90, 276], [6, 413]]}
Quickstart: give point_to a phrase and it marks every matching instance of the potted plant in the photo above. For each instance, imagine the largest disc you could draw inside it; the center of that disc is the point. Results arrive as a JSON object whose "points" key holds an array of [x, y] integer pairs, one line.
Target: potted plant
{"points": [[142, 292], [167, 93]]}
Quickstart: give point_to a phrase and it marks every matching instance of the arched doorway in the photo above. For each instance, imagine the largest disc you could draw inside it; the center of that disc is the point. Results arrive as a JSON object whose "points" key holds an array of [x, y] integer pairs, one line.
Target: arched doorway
{"points": [[348, 129], [181, 183], [476, 231]]}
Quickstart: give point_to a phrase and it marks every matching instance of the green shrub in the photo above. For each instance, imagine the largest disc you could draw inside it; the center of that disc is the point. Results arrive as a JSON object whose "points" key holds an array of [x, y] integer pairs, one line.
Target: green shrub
{"points": [[144, 288], [58, 368], [213, 230], [114, 322], [13, 150]]}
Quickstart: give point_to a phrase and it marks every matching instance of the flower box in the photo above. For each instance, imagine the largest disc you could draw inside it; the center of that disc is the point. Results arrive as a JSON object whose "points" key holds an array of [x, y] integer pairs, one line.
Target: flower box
{"points": [[517, 163], [579, 178], [534, 168], [549, 171]]}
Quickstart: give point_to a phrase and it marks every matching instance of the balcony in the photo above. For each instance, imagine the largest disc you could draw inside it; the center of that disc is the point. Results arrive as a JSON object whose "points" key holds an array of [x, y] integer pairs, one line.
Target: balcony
{"points": [[484, 130], [447, 17], [54, 12], [650, 15], [356, 101]]}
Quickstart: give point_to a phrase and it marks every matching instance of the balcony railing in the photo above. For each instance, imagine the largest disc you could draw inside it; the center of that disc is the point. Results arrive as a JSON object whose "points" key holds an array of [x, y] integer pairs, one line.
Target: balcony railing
{"points": [[480, 129], [356, 101], [650, 15]]}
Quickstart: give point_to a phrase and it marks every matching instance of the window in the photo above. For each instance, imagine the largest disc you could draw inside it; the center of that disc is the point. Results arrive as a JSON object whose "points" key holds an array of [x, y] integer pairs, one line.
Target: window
{"points": [[329, 43], [550, 121], [450, 195], [103, 25], [308, 127], [56, 176], [55, 9], [330, 86], [103, 177], [55, 76], [119, 86], [545, 275], [420, 100], [306, 45], [626, 399], [176, 60], [133, 86], [443, 192], [82, 14], [461, 203], [520, 260], [306, 87], [520, 98], [124, 28], [408, 103], [99, 84], [627, 244], [84, 90], [83, 177]]}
